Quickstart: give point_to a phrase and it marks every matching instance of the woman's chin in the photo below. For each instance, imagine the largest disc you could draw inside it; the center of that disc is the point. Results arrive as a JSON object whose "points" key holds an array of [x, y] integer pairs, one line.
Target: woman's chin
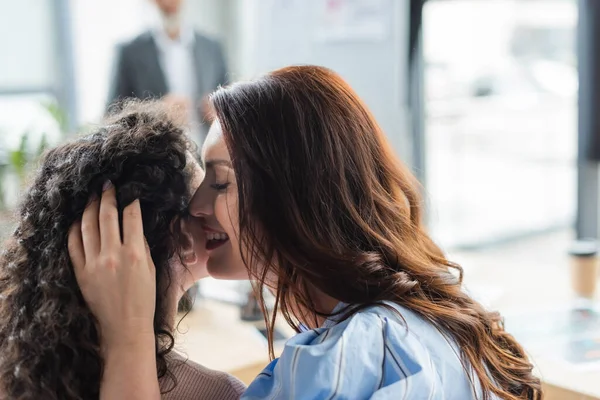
{"points": [[220, 270], [200, 271], [199, 277]]}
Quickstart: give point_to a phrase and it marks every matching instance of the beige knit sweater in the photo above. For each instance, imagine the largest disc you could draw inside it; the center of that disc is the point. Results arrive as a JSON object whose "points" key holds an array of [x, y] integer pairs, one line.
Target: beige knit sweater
{"points": [[195, 382]]}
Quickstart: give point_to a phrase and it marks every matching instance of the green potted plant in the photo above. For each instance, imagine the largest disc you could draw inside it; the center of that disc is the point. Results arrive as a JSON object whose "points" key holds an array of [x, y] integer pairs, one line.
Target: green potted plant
{"points": [[16, 162], [21, 160]]}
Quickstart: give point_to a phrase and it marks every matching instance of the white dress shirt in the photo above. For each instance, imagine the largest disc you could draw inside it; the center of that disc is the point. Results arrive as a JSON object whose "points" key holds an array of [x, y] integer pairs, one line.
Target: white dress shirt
{"points": [[176, 58]]}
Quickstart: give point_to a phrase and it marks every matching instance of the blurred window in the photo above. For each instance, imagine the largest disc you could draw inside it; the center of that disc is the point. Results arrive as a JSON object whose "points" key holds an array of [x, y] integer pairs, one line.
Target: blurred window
{"points": [[501, 108]]}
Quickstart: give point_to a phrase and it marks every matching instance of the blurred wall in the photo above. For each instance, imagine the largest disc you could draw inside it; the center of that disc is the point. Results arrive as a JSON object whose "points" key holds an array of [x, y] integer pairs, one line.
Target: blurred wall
{"points": [[98, 27], [27, 45]]}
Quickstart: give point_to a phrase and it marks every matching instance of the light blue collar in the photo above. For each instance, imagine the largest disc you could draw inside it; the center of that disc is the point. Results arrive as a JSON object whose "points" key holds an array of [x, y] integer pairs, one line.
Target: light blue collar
{"points": [[329, 322], [334, 319]]}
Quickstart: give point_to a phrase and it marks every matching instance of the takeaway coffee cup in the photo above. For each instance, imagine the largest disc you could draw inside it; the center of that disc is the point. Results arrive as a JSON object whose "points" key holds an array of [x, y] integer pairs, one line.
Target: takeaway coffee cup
{"points": [[584, 268]]}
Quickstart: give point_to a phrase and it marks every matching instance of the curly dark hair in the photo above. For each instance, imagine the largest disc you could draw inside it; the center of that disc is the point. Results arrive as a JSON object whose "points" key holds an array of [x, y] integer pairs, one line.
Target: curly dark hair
{"points": [[49, 342]]}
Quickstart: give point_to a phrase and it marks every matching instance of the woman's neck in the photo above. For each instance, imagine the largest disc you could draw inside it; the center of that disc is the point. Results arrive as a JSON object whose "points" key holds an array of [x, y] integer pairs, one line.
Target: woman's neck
{"points": [[172, 304], [323, 304]]}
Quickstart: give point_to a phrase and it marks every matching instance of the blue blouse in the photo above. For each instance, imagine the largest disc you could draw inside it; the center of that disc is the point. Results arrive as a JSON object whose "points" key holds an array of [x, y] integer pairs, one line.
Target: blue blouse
{"points": [[371, 355]]}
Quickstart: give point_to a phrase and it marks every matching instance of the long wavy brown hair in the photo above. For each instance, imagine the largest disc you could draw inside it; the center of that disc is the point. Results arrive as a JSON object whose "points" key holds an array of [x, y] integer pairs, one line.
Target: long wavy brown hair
{"points": [[324, 203], [49, 344]]}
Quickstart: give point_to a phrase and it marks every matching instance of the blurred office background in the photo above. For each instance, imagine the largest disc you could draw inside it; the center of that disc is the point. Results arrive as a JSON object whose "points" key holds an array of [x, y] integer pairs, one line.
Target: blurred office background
{"points": [[478, 97], [494, 140]]}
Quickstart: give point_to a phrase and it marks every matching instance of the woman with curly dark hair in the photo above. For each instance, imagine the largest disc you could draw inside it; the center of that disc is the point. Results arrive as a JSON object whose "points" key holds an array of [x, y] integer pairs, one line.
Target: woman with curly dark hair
{"points": [[49, 339]]}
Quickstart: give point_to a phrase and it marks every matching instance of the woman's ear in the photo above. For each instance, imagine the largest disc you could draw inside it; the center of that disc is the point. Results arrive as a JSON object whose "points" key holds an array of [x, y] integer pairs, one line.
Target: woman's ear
{"points": [[188, 251]]}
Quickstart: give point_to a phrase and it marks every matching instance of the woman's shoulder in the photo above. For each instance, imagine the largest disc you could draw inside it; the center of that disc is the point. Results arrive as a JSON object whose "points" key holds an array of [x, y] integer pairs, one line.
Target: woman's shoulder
{"points": [[379, 329], [391, 321], [197, 382], [386, 322], [367, 353]]}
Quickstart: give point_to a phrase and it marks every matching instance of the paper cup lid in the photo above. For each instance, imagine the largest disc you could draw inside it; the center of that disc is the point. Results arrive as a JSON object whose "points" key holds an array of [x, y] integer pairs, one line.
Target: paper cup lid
{"points": [[584, 248]]}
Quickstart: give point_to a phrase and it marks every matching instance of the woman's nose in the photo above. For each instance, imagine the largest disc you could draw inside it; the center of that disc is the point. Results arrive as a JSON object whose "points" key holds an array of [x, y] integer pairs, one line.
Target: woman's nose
{"points": [[200, 205]]}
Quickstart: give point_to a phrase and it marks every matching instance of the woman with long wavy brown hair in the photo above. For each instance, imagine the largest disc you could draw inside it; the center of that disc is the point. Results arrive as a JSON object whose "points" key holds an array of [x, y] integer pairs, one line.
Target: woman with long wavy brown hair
{"points": [[304, 195], [50, 347]]}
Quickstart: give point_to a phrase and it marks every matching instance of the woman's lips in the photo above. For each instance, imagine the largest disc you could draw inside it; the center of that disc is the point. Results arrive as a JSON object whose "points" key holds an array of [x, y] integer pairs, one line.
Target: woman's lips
{"points": [[213, 244], [215, 239]]}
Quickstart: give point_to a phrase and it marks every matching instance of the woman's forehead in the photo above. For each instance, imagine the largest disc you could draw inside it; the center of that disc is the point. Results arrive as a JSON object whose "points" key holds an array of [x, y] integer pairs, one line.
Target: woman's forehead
{"points": [[214, 145], [194, 170]]}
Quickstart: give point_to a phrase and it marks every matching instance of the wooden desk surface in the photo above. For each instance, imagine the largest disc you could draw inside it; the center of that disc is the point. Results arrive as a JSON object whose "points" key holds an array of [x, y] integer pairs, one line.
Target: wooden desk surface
{"points": [[213, 335], [538, 285]]}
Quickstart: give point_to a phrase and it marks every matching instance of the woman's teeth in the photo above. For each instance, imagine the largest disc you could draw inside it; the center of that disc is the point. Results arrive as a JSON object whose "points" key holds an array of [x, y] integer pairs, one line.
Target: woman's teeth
{"points": [[216, 236]]}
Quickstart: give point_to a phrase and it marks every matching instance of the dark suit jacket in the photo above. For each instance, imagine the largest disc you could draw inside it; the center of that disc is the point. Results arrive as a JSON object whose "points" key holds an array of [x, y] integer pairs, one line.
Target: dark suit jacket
{"points": [[138, 72]]}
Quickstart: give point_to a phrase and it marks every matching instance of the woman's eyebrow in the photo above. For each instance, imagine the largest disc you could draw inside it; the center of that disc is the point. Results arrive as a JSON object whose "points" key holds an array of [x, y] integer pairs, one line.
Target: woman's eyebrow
{"points": [[214, 162]]}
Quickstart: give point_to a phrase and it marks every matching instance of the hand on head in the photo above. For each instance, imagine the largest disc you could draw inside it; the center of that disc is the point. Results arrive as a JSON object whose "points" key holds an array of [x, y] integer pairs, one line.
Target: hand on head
{"points": [[116, 276]]}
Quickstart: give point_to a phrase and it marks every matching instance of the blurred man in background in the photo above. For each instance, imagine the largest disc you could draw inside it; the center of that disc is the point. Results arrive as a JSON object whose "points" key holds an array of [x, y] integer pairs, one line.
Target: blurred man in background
{"points": [[178, 64], [173, 62]]}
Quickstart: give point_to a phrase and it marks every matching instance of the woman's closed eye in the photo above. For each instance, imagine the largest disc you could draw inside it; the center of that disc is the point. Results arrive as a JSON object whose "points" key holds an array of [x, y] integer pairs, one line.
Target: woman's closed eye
{"points": [[220, 187]]}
